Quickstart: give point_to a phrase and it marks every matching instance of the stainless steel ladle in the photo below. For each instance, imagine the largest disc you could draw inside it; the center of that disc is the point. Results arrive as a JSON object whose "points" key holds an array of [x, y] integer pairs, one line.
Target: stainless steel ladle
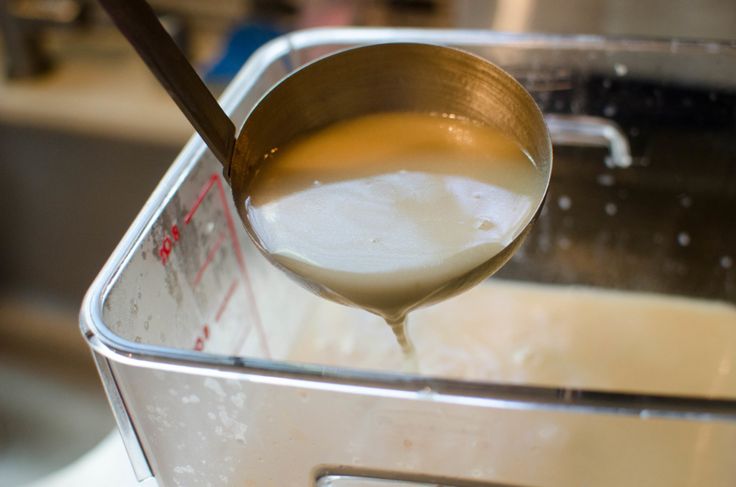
{"points": [[378, 78]]}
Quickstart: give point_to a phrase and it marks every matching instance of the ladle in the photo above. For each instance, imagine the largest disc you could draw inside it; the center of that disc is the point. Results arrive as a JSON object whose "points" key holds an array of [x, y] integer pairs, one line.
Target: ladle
{"points": [[371, 79]]}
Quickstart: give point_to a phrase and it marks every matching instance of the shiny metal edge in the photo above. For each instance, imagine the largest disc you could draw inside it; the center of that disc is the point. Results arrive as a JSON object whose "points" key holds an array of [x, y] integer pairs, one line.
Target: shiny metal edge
{"points": [[477, 37], [136, 455], [113, 347]]}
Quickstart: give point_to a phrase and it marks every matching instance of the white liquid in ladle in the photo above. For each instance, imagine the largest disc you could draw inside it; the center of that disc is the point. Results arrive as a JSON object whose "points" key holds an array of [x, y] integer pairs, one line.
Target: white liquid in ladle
{"points": [[391, 211]]}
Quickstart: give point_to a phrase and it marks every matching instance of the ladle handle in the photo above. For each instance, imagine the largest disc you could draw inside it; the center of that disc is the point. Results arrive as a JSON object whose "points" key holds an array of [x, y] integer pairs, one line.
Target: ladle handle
{"points": [[137, 21]]}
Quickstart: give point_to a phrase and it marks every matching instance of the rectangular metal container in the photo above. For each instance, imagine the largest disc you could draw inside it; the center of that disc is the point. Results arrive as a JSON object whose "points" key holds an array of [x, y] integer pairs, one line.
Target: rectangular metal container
{"points": [[192, 329]]}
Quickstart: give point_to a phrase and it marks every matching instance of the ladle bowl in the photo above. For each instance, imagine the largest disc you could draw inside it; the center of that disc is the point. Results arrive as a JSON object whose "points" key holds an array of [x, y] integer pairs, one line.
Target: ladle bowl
{"points": [[402, 77]]}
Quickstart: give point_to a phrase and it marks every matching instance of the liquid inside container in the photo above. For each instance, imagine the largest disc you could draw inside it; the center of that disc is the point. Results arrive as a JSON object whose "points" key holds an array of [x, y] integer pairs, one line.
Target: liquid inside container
{"points": [[603, 353]]}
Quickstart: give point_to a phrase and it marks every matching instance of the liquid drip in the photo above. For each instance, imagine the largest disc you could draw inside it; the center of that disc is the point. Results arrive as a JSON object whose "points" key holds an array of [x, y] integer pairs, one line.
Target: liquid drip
{"points": [[398, 326], [393, 211]]}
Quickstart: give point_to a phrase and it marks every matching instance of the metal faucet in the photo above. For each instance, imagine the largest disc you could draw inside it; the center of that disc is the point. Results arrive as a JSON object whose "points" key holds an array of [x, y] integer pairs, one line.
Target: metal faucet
{"points": [[21, 26]]}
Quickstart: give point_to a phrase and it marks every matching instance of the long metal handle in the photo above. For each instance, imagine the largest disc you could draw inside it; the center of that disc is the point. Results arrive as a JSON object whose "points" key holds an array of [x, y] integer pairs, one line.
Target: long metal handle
{"points": [[137, 21]]}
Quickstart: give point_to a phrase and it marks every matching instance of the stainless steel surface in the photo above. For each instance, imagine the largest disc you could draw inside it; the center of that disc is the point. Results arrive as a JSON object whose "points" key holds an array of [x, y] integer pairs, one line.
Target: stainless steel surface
{"points": [[234, 396]]}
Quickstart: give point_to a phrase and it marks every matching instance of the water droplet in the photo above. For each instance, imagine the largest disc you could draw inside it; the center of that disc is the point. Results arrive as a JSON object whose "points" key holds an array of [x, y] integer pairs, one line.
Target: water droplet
{"points": [[726, 262], [484, 224], [611, 209], [317, 182], [564, 202], [634, 131], [607, 83], [609, 110], [606, 179], [686, 201], [621, 69], [477, 195], [683, 238], [375, 240]]}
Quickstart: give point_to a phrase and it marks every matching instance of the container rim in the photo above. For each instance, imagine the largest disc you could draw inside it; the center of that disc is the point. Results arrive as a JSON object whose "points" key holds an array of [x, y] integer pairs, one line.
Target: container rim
{"points": [[117, 349]]}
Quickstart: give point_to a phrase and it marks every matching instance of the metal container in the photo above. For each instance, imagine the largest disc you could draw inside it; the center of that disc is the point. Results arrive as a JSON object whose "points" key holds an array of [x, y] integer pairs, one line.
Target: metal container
{"points": [[192, 330]]}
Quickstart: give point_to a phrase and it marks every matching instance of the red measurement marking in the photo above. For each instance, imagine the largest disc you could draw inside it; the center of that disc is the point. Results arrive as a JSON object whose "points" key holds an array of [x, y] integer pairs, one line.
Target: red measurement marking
{"points": [[226, 300], [202, 339], [230, 223], [165, 250], [208, 260], [167, 245], [216, 179], [213, 179]]}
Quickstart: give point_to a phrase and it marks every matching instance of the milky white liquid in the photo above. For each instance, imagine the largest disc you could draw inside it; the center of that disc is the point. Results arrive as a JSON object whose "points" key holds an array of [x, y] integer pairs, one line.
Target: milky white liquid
{"points": [[391, 211], [554, 336]]}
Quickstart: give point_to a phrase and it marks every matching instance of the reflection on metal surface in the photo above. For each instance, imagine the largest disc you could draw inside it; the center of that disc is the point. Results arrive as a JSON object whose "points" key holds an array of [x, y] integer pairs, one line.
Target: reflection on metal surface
{"points": [[580, 130]]}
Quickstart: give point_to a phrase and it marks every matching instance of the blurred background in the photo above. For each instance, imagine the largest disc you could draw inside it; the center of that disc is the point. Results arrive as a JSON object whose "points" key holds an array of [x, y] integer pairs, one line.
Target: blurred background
{"points": [[86, 132]]}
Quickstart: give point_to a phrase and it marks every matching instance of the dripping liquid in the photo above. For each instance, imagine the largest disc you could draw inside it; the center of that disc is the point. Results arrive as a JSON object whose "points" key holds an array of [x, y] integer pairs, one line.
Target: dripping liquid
{"points": [[389, 212]]}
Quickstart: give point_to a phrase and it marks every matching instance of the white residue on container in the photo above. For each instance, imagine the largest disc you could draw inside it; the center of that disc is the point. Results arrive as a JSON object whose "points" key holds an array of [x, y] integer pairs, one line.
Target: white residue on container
{"points": [[190, 399], [159, 416], [611, 209], [564, 202], [683, 238], [215, 387], [621, 69], [606, 179], [726, 262], [231, 427], [185, 469], [238, 400]]}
